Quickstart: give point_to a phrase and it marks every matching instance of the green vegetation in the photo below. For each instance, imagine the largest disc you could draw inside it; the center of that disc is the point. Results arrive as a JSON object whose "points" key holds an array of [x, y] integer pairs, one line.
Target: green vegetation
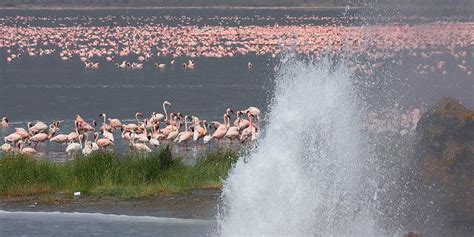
{"points": [[107, 174]]}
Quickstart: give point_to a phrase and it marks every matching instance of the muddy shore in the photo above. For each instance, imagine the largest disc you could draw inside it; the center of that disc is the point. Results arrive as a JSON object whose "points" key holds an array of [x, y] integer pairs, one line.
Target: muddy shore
{"points": [[195, 204]]}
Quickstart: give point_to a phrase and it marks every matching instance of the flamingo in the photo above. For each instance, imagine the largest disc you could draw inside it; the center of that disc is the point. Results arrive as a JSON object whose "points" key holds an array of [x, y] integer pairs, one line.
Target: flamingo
{"points": [[88, 146], [122, 65], [37, 127], [208, 137], [74, 147], [12, 138], [232, 133], [60, 139], [82, 125], [87, 150], [6, 148], [138, 147], [254, 111], [153, 141], [115, 123], [160, 117], [126, 135], [108, 135], [4, 123], [143, 137], [240, 122], [26, 150], [173, 126], [190, 65], [105, 126], [160, 66], [73, 136], [199, 131], [248, 133], [221, 130], [22, 132], [174, 130], [133, 126], [40, 138], [156, 134], [186, 135], [102, 142]]}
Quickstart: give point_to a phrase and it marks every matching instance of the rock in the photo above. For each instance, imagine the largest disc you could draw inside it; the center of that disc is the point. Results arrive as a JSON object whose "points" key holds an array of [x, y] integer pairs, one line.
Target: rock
{"points": [[445, 154], [411, 234]]}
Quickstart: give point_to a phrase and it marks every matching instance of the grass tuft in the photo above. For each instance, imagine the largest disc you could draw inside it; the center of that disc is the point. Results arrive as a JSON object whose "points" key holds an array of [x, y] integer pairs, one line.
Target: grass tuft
{"points": [[108, 174]]}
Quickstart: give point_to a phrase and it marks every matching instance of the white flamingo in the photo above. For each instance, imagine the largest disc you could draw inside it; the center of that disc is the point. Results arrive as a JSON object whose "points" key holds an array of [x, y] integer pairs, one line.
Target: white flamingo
{"points": [[138, 147], [74, 147]]}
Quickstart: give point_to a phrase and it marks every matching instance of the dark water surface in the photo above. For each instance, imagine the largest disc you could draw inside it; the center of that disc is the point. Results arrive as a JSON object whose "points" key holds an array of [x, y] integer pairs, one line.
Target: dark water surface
{"points": [[92, 224], [47, 88]]}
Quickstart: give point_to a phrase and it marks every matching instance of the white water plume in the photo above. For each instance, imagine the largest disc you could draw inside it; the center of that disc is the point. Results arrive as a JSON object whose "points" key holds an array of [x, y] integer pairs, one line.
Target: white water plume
{"points": [[310, 174]]}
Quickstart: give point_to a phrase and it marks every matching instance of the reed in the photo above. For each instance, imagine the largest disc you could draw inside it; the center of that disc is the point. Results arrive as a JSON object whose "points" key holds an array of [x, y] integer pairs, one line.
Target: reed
{"points": [[110, 174]]}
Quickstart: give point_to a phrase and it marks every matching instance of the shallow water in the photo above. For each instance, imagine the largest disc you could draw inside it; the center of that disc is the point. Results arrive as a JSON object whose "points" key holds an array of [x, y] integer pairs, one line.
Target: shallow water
{"points": [[96, 224]]}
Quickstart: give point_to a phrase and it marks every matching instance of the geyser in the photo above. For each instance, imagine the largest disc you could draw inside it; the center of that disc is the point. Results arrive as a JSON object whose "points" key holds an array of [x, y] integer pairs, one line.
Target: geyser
{"points": [[311, 174]]}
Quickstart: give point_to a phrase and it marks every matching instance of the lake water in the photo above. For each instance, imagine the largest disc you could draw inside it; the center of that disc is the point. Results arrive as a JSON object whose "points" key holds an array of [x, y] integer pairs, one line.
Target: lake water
{"points": [[96, 224], [47, 89]]}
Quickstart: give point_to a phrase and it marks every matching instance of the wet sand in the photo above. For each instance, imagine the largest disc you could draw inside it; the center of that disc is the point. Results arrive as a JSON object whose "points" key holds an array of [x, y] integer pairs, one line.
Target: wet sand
{"points": [[196, 204]]}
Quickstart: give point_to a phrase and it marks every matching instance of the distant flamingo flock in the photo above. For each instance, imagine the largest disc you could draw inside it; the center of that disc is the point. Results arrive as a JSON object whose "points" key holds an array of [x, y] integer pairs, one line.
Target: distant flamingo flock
{"points": [[141, 136], [436, 47]]}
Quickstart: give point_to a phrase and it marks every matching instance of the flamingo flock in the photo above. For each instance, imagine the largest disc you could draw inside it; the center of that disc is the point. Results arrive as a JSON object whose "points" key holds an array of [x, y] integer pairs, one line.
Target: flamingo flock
{"points": [[142, 135], [134, 47]]}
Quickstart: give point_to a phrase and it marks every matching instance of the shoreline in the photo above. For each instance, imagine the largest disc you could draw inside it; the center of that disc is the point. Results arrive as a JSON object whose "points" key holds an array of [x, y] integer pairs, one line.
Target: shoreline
{"points": [[195, 204]]}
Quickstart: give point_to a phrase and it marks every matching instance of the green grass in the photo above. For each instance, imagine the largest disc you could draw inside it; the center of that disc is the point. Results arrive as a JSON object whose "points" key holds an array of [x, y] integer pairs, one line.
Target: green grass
{"points": [[107, 174]]}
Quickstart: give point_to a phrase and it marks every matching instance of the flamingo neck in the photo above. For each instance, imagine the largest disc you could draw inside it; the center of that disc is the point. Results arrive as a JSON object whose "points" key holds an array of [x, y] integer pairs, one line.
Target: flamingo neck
{"points": [[239, 119], [166, 112]]}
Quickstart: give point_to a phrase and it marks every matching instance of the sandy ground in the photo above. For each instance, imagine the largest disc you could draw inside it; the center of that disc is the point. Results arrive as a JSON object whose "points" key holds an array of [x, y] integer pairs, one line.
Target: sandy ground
{"points": [[196, 204]]}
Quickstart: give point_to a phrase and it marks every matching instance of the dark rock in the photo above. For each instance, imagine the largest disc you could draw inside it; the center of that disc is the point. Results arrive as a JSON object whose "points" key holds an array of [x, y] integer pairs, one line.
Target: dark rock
{"points": [[411, 234], [445, 154]]}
